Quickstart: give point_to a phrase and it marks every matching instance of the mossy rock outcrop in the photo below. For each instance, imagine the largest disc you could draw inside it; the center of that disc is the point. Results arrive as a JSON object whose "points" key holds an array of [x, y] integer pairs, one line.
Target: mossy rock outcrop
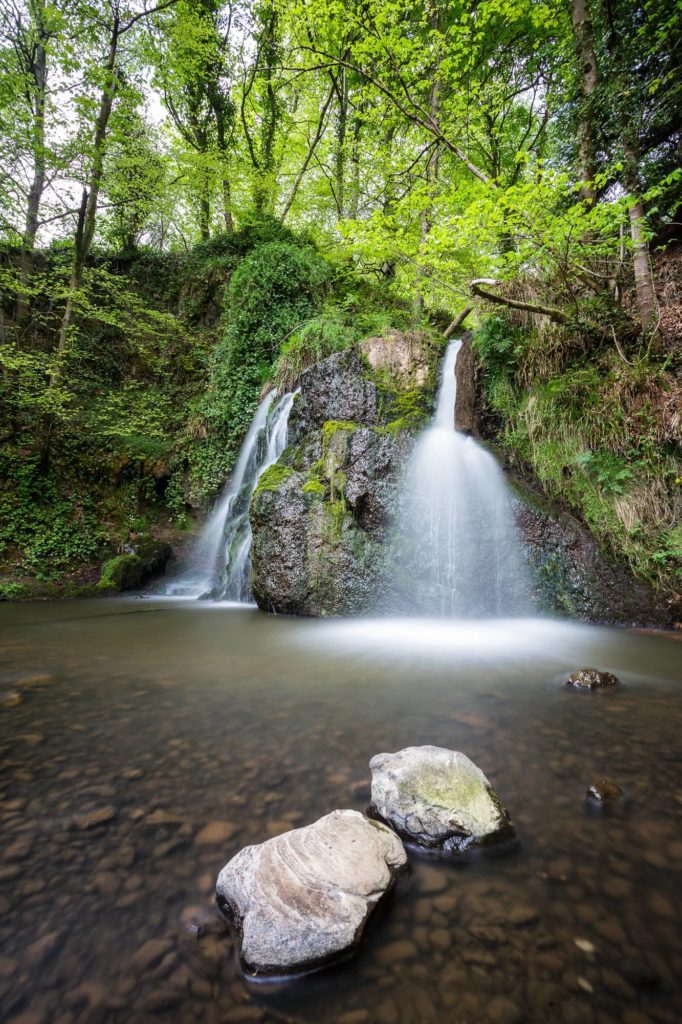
{"points": [[321, 517], [146, 559], [124, 572]]}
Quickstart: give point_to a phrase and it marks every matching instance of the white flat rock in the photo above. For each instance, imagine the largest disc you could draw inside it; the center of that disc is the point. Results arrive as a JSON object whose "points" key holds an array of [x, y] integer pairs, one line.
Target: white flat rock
{"points": [[303, 898], [437, 798]]}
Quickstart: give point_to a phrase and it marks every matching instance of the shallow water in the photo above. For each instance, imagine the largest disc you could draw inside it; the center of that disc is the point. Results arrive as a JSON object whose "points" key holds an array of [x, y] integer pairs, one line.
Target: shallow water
{"points": [[169, 716]]}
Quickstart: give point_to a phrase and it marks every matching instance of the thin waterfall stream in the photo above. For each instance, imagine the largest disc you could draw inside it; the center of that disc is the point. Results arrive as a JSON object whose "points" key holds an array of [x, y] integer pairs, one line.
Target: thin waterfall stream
{"points": [[457, 544], [219, 561]]}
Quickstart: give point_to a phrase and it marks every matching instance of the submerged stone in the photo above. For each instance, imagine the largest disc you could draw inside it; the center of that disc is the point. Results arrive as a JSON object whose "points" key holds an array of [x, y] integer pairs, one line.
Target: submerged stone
{"points": [[604, 790], [303, 898], [592, 679], [605, 797], [438, 799]]}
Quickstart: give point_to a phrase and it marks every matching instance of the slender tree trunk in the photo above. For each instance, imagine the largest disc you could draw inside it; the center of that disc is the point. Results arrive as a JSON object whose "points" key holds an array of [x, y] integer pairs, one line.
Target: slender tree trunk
{"points": [[354, 199], [641, 258], [85, 230], [205, 217], [227, 205], [35, 195], [340, 150], [583, 37]]}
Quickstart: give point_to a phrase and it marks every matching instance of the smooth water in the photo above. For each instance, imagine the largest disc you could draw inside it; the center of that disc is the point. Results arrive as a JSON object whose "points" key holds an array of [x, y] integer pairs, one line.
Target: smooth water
{"points": [[458, 545], [219, 561], [165, 717]]}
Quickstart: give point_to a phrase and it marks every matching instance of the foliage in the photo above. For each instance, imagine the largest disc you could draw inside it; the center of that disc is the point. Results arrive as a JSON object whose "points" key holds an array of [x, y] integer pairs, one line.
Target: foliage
{"points": [[602, 437], [276, 289]]}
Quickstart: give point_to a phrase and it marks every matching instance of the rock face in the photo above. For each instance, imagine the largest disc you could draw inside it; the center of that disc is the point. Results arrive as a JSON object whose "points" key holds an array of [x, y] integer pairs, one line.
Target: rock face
{"points": [[437, 799], [321, 517], [592, 679], [574, 577], [465, 372], [303, 898]]}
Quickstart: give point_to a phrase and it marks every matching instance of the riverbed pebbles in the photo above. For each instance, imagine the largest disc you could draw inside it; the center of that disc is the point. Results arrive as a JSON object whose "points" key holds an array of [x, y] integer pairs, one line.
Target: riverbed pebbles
{"points": [[69, 948]]}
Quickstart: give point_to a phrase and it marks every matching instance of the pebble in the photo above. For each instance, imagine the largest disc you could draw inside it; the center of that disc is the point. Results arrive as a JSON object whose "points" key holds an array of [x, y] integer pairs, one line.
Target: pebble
{"points": [[585, 946], [150, 953], [441, 939], [394, 952], [10, 699], [214, 833], [94, 818], [502, 1010]]}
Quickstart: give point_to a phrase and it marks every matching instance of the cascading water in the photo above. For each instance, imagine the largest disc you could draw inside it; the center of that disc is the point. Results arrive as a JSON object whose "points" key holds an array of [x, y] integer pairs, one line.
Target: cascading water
{"points": [[459, 554], [219, 562]]}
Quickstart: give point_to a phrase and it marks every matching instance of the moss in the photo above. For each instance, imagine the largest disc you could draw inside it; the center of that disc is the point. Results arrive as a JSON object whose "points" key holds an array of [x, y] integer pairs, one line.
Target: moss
{"points": [[273, 478], [331, 427], [335, 514], [121, 573], [314, 486]]}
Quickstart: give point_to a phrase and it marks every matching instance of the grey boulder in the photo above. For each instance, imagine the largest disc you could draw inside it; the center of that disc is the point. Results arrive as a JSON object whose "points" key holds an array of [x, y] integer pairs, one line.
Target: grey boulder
{"points": [[303, 898], [437, 799]]}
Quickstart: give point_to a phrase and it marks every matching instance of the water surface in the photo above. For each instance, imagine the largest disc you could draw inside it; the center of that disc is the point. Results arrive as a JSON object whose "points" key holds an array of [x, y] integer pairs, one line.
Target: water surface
{"points": [[163, 717]]}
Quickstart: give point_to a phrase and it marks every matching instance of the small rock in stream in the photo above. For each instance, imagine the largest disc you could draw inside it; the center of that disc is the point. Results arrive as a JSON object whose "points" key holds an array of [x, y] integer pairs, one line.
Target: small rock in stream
{"points": [[592, 679], [603, 794], [300, 899], [438, 799]]}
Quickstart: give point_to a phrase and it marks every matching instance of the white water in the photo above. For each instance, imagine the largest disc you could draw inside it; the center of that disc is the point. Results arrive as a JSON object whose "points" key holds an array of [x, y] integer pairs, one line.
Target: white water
{"points": [[460, 555], [219, 562]]}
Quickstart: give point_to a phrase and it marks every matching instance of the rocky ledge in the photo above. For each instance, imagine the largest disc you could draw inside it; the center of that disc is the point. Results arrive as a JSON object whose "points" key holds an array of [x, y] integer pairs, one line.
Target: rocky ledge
{"points": [[438, 799], [321, 516], [302, 899]]}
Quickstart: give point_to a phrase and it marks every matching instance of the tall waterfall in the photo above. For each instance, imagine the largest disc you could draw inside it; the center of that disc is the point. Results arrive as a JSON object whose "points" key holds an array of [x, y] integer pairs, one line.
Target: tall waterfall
{"points": [[459, 552], [219, 562]]}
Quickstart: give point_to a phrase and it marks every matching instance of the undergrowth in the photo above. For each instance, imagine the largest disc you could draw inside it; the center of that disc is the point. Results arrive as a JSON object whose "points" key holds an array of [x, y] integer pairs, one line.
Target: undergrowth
{"points": [[603, 436]]}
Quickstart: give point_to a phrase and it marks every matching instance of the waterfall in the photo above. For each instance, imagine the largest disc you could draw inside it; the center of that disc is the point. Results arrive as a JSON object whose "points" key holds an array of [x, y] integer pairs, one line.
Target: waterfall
{"points": [[458, 551], [219, 561]]}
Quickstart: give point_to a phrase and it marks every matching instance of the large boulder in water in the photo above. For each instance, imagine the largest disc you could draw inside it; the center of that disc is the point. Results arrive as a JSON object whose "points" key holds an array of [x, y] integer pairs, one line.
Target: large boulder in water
{"points": [[303, 898], [438, 799]]}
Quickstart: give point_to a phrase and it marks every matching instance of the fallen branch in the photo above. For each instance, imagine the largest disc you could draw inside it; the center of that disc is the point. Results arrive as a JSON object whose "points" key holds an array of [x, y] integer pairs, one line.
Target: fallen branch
{"points": [[553, 312], [458, 322]]}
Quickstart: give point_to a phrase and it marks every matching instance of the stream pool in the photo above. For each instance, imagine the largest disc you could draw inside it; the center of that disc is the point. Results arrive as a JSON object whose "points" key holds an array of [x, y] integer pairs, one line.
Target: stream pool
{"points": [[138, 723]]}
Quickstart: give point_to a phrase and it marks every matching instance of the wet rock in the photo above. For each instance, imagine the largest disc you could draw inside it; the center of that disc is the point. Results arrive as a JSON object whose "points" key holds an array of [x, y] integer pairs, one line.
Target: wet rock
{"points": [[592, 679], [10, 699], [91, 819], [438, 799], [303, 898], [603, 793], [214, 833]]}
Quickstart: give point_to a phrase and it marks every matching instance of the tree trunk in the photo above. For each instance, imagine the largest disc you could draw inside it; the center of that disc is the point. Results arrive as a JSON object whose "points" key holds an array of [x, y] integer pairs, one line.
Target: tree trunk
{"points": [[644, 278], [340, 151], [85, 230], [35, 195], [589, 76]]}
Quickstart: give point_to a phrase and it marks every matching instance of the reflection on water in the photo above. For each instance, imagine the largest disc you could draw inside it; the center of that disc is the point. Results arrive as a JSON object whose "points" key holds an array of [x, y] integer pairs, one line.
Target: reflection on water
{"points": [[147, 721]]}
